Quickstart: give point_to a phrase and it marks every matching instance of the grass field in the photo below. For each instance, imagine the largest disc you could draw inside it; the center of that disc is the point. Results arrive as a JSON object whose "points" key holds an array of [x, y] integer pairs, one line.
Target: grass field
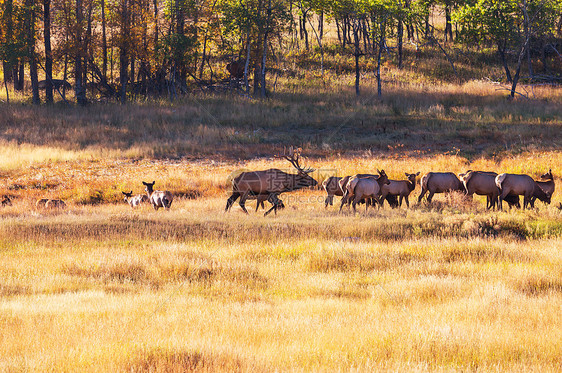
{"points": [[441, 287]]}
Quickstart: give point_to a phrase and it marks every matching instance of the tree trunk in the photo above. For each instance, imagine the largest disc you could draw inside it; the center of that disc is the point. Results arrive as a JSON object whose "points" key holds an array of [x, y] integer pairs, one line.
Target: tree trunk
{"points": [[523, 48], [379, 54], [31, 53], [103, 41], [79, 90], [501, 51], [48, 52], [124, 51], [400, 32], [448, 26], [357, 54], [247, 63], [264, 59]]}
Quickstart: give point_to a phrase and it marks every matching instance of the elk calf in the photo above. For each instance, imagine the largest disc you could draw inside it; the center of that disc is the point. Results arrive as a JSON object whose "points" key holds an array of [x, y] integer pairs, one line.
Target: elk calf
{"points": [[158, 198], [400, 188], [134, 201]]}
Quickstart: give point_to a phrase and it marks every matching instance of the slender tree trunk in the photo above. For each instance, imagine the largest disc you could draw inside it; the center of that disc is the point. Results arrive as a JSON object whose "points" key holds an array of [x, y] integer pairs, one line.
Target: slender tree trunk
{"points": [[124, 51], [264, 59], [379, 54], [400, 32], [357, 54], [48, 52], [247, 63], [448, 26], [79, 90], [8, 66], [31, 52], [501, 51], [523, 48], [321, 25], [103, 41]]}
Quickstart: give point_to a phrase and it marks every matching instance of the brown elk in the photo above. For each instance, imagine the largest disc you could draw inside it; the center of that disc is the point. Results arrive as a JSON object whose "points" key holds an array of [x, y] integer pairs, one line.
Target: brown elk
{"points": [[135, 201], [439, 182], [400, 188], [366, 188], [524, 185], [333, 188], [348, 189], [484, 183], [270, 182], [158, 198], [55, 204], [6, 201], [548, 185]]}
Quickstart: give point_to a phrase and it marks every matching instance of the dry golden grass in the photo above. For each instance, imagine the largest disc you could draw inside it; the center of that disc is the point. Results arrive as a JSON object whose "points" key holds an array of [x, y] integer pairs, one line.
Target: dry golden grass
{"points": [[442, 287]]}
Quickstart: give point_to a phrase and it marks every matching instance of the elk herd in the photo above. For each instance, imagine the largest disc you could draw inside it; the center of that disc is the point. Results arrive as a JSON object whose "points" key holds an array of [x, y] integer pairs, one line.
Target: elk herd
{"points": [[375, 189], [370, 189]]}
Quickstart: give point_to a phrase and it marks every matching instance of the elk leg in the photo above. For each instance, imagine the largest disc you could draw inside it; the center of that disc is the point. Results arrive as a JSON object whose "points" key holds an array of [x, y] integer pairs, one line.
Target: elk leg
{"points": [[343, 200], [400, 199], [423, 191], [231, 200], [242, 202], [430, 197]]}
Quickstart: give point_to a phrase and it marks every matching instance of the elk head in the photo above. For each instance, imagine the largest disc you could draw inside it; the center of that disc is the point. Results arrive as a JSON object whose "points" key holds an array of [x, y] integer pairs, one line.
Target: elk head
{"points": [[383, 178], [127, 195], [412, 177], [548, 175], [303, 178], [149, 187]]}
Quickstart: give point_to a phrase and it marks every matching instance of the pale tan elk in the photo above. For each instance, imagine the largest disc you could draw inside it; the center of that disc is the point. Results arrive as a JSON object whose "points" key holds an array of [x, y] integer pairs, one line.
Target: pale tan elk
{"points": [[400, 188], [41, 203], [270, 182], [484, 183], [520, 185], [55, 204], [333, 188], [439, 182], [158, 198], [348, 187], [135, 201], [367, 188]]}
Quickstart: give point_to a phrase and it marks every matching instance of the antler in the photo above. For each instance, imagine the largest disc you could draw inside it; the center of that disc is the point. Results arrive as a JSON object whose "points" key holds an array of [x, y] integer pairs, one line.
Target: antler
{"points": [[294, 157]]}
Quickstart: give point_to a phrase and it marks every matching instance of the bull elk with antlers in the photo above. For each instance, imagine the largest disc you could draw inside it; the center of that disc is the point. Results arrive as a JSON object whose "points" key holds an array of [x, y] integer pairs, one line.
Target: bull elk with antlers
{"points": [[270, 183]]}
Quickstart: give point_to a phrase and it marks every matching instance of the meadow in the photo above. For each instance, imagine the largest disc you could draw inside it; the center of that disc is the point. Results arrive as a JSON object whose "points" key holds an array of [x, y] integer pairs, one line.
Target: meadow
{"points": [[448, 286]]}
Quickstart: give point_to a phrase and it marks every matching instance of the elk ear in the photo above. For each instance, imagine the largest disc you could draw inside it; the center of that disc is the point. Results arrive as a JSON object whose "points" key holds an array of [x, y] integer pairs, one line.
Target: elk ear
{"points": [[124, 193], [144, 183], [407, 174], [417, 173]]}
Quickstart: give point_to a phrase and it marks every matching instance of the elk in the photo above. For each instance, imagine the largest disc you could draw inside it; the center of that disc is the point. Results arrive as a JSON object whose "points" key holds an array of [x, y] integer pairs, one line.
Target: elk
{"points": [[548, 186], [400, 188], [520, 185], [134, 201], [158, 198], [41, 203], [6, 201], [366, 188], [347, 189], [484, 183], [439, 182], [55, 204], [333, 188], [270, 182]]}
